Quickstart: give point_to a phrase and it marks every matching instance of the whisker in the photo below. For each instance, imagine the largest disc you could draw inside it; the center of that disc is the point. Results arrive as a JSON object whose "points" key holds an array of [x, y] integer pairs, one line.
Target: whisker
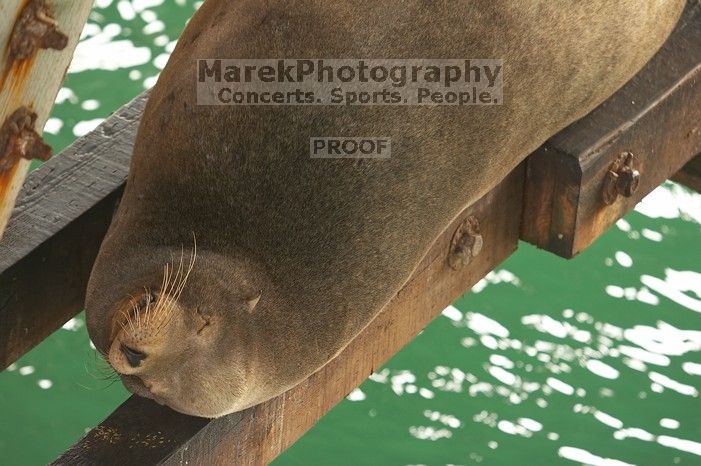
{"points": [[103, 371], [163, 304], [158, 313], [164, 282], [135, 314], [147, 296], [126, 316], [193, 257], [191, 265], [164, 287], [169, 300]]}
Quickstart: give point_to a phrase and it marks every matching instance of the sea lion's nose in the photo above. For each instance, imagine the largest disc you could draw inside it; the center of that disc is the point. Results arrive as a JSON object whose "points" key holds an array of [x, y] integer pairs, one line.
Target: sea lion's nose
{"points": [[134, 357]]}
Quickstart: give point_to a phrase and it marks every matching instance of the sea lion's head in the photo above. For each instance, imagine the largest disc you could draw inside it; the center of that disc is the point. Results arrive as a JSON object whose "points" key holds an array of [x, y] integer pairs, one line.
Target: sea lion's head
{"points": [[175, 330]]}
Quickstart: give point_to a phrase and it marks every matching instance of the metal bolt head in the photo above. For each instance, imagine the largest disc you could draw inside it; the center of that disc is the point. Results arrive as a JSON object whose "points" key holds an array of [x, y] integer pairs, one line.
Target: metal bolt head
{"points": [[628, 182], [622, 179]]}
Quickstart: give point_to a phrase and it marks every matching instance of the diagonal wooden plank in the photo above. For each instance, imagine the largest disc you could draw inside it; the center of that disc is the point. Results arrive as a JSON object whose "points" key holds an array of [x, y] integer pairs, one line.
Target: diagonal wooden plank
{"points": [[61, 217]]}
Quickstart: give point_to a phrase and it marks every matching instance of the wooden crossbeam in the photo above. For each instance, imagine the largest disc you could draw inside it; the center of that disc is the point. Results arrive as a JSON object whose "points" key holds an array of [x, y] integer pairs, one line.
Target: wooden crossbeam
{"points": [[569, 197]]}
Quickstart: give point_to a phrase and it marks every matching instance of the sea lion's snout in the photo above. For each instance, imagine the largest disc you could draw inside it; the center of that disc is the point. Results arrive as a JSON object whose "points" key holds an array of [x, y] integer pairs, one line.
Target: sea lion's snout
{"points": [[129, 355], [140, 330], [178, 333], [151, 342]]}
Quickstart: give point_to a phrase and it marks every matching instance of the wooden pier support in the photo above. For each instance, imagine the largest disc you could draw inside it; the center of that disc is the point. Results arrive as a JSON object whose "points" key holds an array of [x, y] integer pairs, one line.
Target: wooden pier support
{"points": [[37, 39], [579, 182]]}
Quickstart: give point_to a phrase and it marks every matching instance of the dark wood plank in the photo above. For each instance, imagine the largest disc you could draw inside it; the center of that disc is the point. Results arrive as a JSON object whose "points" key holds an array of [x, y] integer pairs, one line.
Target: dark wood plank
{"points": [[656, 117], [57, 226], [259, 434], [139, 432]]}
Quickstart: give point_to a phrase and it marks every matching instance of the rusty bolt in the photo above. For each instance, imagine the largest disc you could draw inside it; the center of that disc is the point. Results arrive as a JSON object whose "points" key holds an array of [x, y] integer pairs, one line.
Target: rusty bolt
{"points": [[466, 243], [19, 140], [622, 179], [35, 29]]}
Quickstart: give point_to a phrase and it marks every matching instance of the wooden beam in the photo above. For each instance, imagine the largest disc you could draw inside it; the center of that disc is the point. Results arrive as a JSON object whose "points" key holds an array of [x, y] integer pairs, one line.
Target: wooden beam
{"points": [[51, 243], [30, 76], [141, 432], [690, 174], [571, 197]]}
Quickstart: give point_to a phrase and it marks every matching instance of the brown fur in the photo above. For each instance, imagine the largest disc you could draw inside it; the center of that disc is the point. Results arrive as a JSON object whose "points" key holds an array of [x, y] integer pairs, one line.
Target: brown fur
{"points": [[326, 243]]}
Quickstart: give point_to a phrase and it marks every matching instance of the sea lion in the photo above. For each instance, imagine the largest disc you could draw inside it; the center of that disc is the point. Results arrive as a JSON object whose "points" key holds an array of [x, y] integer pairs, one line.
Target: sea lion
{"points": [[237, 265]]}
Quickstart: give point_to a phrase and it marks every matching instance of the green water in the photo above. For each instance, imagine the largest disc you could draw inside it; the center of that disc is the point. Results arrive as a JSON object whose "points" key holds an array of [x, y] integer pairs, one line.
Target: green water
{"points": [[595, 360]]}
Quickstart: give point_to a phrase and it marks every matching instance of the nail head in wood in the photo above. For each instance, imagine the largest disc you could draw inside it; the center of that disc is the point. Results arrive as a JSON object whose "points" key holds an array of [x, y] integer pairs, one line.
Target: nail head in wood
{"points": [[35, 29], [466, 244], [19, 140]]}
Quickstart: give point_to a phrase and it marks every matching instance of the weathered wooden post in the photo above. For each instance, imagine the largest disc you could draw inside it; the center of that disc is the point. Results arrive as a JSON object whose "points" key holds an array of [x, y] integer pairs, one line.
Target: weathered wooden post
{"points": [[37, 39], [586, 177]]}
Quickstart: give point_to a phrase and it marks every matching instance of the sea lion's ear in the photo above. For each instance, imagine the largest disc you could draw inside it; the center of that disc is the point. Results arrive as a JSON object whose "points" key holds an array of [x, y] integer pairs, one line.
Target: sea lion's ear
{"points": [[252, 301]]}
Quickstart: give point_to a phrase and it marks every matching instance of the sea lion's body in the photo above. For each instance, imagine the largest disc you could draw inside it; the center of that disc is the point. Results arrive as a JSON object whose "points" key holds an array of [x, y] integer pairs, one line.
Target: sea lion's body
{"points": [[328, 242]]}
